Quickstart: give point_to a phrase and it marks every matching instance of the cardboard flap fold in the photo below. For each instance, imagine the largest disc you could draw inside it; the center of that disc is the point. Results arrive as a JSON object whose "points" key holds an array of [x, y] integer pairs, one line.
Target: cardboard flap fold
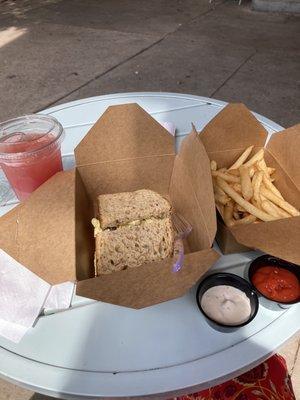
{"points": [[41, 231], [51, 232], [84, 235], [232, 130], [128, 175], [8, 231], [124, 132], [195, 161], [149, 284], [279, 238], [284, 147]]}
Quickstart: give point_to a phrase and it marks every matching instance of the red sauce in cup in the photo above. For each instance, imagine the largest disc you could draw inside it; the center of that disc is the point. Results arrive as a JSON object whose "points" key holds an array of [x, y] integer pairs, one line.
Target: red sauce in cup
{"points": [[277, 283]]}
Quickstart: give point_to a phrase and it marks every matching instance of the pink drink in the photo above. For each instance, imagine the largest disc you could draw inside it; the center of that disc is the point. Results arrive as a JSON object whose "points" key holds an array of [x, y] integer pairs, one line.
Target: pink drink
{"points": [[30, 152]]}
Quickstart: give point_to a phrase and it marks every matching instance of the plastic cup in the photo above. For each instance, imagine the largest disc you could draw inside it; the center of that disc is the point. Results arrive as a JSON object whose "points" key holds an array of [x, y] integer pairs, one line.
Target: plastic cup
{"points": [[30, 151]]}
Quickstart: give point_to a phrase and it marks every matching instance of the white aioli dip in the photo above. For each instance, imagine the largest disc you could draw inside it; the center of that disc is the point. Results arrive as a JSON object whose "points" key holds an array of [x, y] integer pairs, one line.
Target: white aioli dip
{"points": [[226, 305]]}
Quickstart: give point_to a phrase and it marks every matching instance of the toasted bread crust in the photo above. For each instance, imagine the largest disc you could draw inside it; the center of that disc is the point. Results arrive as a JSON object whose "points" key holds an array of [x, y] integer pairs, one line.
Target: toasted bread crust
{"points": [[122, 208], [130, 246]]}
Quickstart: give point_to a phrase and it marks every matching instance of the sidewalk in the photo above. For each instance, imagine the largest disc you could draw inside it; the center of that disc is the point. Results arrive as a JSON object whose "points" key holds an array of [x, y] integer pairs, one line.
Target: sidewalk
{"points": [[54, 51]]}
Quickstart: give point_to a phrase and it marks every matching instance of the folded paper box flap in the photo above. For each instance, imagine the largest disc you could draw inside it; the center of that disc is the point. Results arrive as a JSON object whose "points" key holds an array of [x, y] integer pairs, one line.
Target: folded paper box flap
{"points": [[230, 132], [196, 164], [279, 238], [84, 234], [8, 229], [225, 138], [284, 147], [51, 232], [149, 284], [40, 233], [128, 175], [124, 132]]}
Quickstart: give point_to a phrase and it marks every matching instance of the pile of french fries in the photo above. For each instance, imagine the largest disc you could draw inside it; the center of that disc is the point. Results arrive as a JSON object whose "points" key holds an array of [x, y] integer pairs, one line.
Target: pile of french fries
{"points": [[245, 193]]}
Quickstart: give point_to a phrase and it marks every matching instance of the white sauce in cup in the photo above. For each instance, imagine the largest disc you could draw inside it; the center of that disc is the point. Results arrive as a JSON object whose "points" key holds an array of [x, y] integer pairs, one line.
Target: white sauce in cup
{"points": [[226, 305]]}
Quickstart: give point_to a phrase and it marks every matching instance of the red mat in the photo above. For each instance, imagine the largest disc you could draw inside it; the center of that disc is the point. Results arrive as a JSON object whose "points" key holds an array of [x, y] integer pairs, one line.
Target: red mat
{"points": [[268, 381]]}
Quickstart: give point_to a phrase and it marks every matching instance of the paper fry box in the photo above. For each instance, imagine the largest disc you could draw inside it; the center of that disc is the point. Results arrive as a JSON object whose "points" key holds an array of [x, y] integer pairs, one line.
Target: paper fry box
{"points": [[52, 235], [225, 138]]}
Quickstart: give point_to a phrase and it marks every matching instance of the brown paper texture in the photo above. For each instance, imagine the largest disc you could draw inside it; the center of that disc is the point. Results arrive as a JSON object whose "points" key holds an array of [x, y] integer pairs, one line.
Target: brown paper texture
{"points": [[84, 238], [43, 230], [226, 241], [224, 138], [197, 165], [123, 132], [279, 238], [51, 232], [149, 284], [284, 147], [128, 175], [230, 132]]}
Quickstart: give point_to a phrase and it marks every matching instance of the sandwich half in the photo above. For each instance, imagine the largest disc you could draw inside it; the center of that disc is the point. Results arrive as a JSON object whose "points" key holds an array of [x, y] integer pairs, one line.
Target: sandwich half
{"points": [[133, 228]]}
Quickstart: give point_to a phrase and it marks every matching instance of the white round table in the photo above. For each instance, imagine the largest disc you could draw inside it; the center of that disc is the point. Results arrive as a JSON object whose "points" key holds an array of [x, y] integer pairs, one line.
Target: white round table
{"points": [[97, 350]]}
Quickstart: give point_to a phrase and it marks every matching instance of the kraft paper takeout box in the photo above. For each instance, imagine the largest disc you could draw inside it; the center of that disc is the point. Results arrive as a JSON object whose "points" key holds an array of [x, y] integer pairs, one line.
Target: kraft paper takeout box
{"points": [[225, 137], [51, 232]]}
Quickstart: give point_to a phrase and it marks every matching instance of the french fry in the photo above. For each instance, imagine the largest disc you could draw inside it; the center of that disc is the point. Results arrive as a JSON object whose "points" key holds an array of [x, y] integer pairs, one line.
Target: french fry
{"points": [[257, 204], [245, 193], [237, 187], [251, 172], [217, 188], [222, 199], [228, 213], [249, 219], [257, 157], [279, 210], [242, 158], [235, 207], [239, 208], [267, 207], [276, 200], [271, 170], [236, 215], [269, 185], [246, 186], [256, 182], [244, 203], [262, 166], [234, 172], [226, 177], [213, 165]]}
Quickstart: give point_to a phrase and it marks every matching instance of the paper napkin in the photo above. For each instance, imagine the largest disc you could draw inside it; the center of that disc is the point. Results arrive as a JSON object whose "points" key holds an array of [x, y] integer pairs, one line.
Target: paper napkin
{"points": [[23, 295], [59, 297]]}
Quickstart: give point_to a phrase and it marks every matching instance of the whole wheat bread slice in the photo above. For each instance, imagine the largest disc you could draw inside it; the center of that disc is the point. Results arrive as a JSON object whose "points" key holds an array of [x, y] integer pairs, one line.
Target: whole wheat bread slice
{"points": [[121, 208], [130, 246]]}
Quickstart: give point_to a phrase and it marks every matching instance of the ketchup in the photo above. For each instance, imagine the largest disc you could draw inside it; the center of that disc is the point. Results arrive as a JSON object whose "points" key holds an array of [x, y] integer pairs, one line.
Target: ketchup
{"points": [[277, 283]]}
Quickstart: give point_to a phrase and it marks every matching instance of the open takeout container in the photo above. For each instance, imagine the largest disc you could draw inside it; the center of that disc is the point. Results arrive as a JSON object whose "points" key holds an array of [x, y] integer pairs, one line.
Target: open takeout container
{"points": [[51, 232], [225, 137]]}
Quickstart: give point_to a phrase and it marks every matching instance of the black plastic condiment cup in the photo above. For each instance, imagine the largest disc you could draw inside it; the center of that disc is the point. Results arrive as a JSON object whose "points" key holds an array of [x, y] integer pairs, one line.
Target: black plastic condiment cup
{"points": [[265, 260], [223, 278]]}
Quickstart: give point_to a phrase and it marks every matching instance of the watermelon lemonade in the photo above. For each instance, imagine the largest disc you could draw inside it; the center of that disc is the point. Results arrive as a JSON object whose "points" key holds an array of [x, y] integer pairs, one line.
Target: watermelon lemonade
{"points": [[30, 151]]}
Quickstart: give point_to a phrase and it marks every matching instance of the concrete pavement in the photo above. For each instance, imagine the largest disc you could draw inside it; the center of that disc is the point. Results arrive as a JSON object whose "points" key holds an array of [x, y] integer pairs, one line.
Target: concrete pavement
{"points": [[54, 51], [65, 50]]}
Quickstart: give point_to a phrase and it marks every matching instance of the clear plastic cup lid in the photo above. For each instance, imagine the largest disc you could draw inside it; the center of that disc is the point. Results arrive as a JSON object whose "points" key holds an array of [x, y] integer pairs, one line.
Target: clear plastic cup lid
{"points": [[27, 135]]}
